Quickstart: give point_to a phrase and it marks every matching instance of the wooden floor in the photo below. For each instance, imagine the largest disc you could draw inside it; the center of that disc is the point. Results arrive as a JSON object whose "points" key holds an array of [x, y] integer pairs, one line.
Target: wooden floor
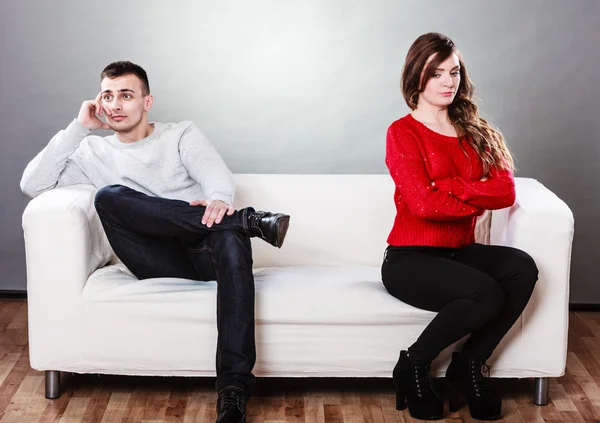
{"points": [[86, 398]]}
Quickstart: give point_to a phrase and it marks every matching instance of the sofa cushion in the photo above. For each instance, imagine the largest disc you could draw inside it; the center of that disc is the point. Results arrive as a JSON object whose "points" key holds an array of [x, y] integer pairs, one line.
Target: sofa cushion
{"points": [[287, 295]]}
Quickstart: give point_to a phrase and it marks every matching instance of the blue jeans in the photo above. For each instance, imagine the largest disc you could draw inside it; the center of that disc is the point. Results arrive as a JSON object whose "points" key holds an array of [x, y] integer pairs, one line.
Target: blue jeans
{"points": [[157, 237]]}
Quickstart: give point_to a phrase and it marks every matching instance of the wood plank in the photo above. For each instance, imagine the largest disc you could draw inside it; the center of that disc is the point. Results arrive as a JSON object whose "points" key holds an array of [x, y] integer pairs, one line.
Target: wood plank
{"points": [[86, 398]]}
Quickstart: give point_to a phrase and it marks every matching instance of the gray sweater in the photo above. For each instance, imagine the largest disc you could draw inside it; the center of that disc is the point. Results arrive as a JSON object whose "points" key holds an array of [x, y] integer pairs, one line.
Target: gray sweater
{"points": [[175, 161]]}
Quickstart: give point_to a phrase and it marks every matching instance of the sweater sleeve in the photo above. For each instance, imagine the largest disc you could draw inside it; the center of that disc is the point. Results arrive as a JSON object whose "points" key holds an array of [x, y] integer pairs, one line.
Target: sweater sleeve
{"points": [[53, 166], [206, 166], [497, 192], [407, 168]]}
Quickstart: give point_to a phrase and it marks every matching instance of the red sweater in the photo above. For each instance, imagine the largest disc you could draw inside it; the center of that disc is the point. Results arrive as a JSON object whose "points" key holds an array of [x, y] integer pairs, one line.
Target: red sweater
{"points": [[444, 214]]}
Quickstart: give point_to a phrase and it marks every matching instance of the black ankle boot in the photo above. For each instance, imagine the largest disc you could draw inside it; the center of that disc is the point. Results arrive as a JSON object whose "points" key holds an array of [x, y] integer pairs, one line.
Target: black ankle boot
{"points": [[270, 227], [465, 376], [414, 386], [231, 405]]}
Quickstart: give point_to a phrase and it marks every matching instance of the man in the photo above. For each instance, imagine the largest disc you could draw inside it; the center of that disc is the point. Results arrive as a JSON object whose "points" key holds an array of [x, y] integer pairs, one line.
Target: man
{"points": [[165, 200]]}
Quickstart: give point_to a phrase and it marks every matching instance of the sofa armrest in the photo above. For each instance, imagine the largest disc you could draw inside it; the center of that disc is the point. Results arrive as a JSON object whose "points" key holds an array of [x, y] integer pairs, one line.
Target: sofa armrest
{"points": [[64, 244], [64, 240], [542, 225]]}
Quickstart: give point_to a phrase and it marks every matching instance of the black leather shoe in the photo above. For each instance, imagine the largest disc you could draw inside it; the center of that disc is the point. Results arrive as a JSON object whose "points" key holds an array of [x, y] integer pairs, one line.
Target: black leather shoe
{"points": [[414, 386], [270, 227], [231, 405], [465, 377]]}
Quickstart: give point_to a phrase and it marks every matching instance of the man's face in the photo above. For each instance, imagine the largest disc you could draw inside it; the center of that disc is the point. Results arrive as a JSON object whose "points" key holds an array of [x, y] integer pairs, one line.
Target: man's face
{"points": [[123, 98]]}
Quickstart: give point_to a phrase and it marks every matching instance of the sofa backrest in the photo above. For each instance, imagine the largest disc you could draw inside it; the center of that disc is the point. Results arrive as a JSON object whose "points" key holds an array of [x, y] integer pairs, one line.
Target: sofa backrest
{"points": [[335, 219]]}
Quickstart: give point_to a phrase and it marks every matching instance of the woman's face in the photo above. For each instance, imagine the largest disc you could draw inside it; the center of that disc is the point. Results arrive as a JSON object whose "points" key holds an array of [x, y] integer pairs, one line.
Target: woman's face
{"points": [[443, 85]]}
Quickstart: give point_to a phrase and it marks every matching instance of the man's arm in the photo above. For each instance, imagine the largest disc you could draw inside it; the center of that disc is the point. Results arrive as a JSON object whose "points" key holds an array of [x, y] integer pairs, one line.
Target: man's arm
{"points": [[53, 166], [206, 166]]}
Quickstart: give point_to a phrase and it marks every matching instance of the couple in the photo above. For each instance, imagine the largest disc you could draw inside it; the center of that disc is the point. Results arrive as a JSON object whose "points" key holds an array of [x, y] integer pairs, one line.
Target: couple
{"points": [[165, 201]]}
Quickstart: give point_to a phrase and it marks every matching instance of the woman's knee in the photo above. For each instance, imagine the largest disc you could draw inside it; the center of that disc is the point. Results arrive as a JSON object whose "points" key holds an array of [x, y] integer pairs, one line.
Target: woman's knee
{"points": [[523, 266]]}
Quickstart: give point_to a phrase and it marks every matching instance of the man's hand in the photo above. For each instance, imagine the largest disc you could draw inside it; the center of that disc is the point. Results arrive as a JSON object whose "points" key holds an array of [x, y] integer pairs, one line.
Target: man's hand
{"points": [[89, 112], [215, 210]]}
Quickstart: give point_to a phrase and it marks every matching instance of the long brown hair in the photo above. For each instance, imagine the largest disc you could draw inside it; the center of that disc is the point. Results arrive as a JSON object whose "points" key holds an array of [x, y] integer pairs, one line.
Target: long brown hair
{"points": [[463, 112]]}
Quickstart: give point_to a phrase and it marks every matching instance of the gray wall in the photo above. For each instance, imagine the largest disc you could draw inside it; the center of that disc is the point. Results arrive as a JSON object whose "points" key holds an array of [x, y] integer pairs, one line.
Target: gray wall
{"points": [[310, 86]]}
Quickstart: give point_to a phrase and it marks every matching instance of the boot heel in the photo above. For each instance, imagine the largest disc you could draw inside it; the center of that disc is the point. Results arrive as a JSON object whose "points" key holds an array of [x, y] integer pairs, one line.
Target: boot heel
{"points": [[467, 384], [415, 390], [400, 400]]}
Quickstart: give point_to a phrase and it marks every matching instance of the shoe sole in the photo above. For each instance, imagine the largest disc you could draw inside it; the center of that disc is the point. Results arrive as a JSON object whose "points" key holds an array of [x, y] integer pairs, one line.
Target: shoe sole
{"points": [[282, 228]]}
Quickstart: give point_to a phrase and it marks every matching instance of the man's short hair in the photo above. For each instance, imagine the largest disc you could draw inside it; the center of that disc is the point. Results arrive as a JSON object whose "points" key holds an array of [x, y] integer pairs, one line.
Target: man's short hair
{"points": [[122, 68]]}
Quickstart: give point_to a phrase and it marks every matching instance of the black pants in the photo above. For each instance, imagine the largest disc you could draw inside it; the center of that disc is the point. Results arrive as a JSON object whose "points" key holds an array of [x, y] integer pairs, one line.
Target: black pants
{"points": [[479, 290], [156, 237]]}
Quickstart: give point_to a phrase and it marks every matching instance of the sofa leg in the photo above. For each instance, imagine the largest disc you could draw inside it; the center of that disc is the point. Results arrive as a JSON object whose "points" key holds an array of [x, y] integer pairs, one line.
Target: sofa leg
{"points": [[52, 384], [540, 394]]}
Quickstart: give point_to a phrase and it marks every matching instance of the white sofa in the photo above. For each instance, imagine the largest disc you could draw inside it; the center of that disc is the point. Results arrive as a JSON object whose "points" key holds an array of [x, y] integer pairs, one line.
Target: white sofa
{"points": [[321, 309]]}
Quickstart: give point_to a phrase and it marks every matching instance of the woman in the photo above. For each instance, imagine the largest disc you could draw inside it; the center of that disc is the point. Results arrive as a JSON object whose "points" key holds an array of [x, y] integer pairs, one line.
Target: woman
{"points": [[449, 166]]}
